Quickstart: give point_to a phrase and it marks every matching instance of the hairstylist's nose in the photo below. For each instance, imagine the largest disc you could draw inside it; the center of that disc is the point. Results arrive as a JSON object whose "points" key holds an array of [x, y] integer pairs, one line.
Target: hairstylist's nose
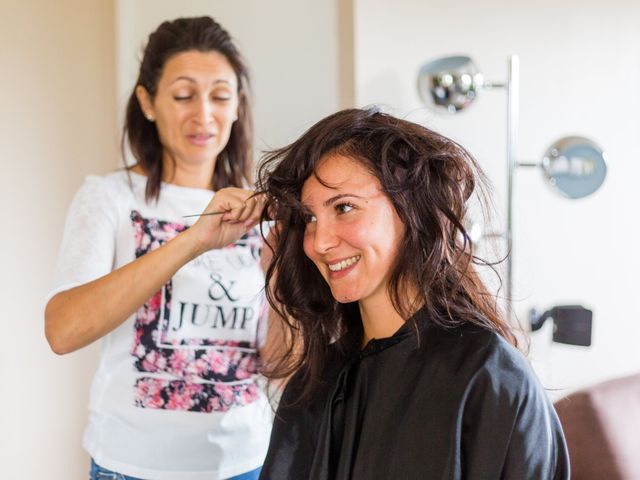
{"points": [[205, 112]]}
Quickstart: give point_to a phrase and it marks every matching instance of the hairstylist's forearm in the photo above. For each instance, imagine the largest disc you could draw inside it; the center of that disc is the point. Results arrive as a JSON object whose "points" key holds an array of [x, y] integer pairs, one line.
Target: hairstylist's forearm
{"points": [[77, 317]]}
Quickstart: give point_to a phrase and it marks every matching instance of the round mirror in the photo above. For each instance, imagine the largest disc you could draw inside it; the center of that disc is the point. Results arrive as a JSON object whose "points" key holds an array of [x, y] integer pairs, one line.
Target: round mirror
{"points": [[575, 166], [450, 82]]}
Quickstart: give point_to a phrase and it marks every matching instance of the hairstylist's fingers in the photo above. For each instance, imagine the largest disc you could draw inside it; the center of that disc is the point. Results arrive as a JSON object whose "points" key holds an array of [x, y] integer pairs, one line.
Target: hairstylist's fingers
{"points": [[254, 214], [234, 212], [241, 213], [251, 210], [236, 200], [260, 198]]}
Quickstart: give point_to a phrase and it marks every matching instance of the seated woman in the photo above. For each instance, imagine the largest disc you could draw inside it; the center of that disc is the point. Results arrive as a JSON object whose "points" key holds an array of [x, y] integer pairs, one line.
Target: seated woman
{"points": [[403, 366]]}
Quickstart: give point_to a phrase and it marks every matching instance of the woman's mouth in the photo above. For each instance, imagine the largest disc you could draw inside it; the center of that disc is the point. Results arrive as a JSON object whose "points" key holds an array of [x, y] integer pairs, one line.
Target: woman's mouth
{"points": [[201, 139], [344, 264]]}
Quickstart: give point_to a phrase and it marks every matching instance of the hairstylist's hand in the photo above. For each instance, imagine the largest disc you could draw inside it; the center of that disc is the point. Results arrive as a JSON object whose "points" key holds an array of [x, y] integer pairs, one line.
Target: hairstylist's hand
{"points": [[242, 211]]}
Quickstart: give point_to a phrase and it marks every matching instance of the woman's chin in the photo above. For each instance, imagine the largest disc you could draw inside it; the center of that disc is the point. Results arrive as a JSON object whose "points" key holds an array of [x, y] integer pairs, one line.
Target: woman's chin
{"points": [[345, 297]]}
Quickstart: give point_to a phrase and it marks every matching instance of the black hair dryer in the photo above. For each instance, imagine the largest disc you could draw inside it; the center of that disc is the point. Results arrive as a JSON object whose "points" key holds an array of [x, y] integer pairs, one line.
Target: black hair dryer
{"points": [[571, 324]]}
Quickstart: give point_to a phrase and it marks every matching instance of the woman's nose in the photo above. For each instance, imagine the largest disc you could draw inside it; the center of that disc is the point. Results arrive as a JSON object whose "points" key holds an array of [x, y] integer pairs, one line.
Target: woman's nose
{"points": [[325, 237], [205, 112]]}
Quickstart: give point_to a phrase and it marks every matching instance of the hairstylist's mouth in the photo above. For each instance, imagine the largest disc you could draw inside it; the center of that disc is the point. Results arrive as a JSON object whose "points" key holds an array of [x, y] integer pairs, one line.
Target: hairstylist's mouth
{"points": [[201, 139]]}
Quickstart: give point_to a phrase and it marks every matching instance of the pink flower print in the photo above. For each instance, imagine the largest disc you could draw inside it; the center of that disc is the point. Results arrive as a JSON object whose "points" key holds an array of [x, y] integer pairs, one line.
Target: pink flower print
{"points": [[137, 350], [179, 400], [171, 228], [137, 235], [201, 367], [218, 362], [183, 395], [145, 241], [226, 394], [161, 362], [215, 406], [140, 351], [233, 355], [141, 312], [246, 367], [194, 389], [155, 301], [180, 360], [154, 362], [248, 395], [148, 394], [193, 369], [147, 316]]}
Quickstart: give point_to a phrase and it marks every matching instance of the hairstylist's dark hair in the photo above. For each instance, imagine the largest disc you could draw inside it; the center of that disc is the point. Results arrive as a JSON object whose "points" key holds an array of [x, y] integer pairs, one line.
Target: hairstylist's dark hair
{"points": [[429, 179], [203, 34]]}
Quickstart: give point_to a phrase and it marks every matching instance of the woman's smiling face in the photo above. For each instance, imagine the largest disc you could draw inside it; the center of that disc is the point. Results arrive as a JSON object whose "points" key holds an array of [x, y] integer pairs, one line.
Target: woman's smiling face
{"points": [[353, 232]]}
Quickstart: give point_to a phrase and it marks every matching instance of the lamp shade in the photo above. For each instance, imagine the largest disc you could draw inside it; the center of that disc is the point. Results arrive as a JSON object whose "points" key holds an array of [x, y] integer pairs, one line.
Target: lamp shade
{"points": [[449, 82], [575, 166]]}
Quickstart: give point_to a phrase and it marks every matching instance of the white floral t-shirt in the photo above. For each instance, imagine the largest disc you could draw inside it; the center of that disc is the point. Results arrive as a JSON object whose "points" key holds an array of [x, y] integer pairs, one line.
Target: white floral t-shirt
{"points": [[175, 396]]}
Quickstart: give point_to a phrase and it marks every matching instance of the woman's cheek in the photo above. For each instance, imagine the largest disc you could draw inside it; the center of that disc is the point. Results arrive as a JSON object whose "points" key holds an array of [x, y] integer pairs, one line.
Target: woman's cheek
{"points": [[307, 245]]}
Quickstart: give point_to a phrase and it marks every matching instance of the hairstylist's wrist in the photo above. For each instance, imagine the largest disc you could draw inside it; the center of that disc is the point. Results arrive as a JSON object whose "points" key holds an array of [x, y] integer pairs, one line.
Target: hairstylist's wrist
{"points": [[194, 242]]}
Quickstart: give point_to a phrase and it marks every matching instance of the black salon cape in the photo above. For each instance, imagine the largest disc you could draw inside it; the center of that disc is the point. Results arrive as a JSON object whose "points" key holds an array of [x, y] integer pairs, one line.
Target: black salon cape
{"points": [[464, 404]]}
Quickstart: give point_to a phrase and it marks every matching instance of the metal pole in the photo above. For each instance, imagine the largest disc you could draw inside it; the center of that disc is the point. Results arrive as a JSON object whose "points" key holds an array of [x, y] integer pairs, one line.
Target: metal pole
{"points": [[512, 138]]}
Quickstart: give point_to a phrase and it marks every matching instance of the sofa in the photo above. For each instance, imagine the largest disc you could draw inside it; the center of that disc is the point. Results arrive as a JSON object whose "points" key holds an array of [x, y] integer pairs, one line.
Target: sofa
{"points": [[602, 427]]}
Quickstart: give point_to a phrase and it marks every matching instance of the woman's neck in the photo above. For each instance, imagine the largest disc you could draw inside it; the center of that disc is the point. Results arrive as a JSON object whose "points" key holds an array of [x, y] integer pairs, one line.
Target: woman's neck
{"points": [[380, 319], [196, 175], [183, 176]]}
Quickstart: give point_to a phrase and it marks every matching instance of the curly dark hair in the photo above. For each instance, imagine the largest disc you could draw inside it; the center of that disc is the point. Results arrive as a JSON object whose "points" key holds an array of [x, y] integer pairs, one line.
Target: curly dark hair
{"points": [[234, 166], [428, 179]]}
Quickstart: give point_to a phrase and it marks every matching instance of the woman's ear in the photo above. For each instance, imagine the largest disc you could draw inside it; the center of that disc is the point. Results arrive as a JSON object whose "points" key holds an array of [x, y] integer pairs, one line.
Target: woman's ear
{"points": [[240, 105], [144, 99]]}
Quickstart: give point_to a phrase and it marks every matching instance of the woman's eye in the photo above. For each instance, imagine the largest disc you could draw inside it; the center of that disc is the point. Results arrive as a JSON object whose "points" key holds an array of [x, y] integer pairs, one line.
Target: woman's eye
{"points": [[220, 95], [182, 98], [344, 207]]}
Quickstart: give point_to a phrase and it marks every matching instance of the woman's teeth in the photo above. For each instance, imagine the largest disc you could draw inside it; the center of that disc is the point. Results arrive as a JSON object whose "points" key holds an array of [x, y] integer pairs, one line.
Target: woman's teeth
{"points": [[336, 267]]}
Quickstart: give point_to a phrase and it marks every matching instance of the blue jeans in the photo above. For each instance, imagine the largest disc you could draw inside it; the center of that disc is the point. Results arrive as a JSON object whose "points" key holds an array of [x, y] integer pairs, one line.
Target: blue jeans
{"points": [[99, 473]]}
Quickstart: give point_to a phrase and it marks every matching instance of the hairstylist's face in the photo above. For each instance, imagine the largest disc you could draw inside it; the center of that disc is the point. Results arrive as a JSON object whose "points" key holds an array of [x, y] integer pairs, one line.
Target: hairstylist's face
{"points": [[353, 231], [194, 107]]}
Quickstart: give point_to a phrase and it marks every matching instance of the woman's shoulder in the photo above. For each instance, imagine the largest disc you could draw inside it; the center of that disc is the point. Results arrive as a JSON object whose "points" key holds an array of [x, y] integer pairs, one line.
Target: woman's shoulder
{"points": [[484, 355], [103, 196], [503, 369], [501, 398], [99, 202], [113, 184], [485, 372]]}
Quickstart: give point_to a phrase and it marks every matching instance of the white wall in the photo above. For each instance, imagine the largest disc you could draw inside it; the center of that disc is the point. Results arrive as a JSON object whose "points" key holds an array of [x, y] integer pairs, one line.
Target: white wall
{"points": [[57, 124], [580, 71]]}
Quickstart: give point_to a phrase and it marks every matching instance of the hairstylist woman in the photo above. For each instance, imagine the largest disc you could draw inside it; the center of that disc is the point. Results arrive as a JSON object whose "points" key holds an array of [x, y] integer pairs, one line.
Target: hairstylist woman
{"points": [[178, 306]]}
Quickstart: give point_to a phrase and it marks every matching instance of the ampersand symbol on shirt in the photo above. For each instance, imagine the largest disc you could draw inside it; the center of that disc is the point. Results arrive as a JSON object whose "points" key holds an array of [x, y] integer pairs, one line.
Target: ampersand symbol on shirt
{"points": [[218, 289]]}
